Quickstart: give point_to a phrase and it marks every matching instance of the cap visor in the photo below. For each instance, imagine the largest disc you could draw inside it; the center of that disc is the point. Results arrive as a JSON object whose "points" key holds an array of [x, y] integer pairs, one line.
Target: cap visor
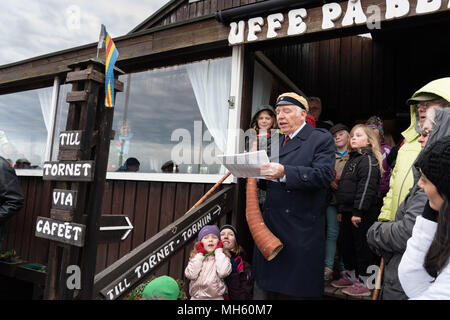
{"points": [[422, 98], [284, 103]]}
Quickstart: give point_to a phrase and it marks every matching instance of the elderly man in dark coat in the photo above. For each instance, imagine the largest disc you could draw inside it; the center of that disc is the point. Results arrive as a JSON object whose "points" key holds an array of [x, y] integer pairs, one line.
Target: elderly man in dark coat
{"points": [[295, 205]]}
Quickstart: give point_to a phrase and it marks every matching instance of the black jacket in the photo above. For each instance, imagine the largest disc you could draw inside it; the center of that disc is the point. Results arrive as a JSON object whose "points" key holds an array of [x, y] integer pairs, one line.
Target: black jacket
{"points": [[358, 187], [11, 198]]}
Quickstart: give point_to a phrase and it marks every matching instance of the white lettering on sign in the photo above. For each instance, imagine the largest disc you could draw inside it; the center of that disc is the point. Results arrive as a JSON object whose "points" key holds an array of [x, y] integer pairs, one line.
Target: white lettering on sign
{"points": [[60, 231], [118, 289], [426, 6], [354, 14], [254, 26], [296, 24], [69, 138], [331, 13], [154, 259], [62, 198], [196, 227], [236, 34], [165, 251], [274, 23], [68, 169], [396, 8]]}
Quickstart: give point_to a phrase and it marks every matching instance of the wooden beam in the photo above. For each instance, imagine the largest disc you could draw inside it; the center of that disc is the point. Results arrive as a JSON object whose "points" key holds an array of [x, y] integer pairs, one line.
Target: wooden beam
{"points": [[130, 47]]}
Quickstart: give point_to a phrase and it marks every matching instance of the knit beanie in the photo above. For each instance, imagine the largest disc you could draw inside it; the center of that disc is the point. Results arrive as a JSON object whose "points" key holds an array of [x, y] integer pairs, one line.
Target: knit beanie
{"points": [[229, 226], [375, 122], [162, 287], [434, 161], [207, 230]]}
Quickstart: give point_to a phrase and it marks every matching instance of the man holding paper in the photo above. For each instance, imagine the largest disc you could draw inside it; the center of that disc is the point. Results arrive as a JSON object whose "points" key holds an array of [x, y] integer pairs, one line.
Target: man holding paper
{"points": [[295, 205]]}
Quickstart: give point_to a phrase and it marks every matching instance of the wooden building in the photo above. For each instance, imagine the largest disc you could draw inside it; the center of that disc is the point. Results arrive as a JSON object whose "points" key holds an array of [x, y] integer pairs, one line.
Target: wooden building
{"points": [[187, 60]]}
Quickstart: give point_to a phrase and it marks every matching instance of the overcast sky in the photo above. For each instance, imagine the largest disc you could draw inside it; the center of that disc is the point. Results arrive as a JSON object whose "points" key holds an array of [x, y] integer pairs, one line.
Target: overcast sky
{"points": [[30, 28]]}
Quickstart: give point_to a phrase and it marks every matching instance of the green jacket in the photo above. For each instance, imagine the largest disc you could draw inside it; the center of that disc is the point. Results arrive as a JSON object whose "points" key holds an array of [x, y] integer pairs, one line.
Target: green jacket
{"points": [[402, 179]]}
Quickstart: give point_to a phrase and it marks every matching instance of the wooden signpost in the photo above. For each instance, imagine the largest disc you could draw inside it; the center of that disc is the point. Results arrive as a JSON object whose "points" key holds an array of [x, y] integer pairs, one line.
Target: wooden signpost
{"points": [[78, 179]]}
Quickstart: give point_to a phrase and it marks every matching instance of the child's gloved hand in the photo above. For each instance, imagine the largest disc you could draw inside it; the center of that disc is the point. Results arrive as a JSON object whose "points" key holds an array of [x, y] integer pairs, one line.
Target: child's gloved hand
{"points": [[237, 265], [201, 248], [219, 245]]}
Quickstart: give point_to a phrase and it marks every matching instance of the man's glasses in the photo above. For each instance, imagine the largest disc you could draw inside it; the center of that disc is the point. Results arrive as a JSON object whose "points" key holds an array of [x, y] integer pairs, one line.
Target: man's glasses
{"points": [[425, 104], [426, 132]]}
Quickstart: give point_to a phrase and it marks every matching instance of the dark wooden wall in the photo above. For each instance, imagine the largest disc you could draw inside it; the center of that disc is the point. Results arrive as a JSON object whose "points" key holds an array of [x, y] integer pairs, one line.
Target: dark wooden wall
{"points": [[357, 77], [151, 206]]}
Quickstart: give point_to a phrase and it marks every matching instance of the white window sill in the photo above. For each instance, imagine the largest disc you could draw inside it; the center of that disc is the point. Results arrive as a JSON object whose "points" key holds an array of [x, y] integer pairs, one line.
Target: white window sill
{"points": [[160, 177]]}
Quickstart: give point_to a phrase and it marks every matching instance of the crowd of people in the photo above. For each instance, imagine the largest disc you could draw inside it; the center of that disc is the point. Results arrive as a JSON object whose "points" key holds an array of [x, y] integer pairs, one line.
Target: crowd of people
{"points": [[342, 200]]}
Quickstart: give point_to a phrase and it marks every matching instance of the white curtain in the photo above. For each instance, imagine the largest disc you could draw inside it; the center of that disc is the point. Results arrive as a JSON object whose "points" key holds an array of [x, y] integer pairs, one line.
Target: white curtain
{"points": [[211, 81], [262, 86], [45, 100]]}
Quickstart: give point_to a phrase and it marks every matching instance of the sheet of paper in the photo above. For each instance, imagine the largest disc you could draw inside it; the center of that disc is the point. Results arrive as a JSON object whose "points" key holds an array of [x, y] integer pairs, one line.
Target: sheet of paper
{"points": [[245, 164]]}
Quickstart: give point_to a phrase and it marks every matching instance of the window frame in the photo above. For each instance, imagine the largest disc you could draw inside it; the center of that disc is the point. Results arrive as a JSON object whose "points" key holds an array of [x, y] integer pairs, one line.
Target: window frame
{"points": [[232, 143]]}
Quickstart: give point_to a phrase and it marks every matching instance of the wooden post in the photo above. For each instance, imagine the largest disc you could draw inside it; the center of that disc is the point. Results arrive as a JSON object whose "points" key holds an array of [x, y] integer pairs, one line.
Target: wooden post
{"points": [[80, 174]]}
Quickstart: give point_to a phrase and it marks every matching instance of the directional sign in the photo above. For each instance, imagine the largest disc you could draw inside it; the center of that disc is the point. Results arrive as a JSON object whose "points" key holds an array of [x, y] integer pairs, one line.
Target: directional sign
{"points": [[65, 232], [112, 223], [64, 199], [69, 170], [161, 254], [72, 140]]}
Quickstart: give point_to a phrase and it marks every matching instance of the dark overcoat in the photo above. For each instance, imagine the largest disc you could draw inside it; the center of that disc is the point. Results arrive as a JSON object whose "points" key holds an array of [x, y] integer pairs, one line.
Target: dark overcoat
{"points": [[295, 212]]}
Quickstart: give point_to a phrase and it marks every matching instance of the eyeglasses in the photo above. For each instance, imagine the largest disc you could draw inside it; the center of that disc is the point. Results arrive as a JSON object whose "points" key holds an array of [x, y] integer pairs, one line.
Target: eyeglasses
{"points": [[425, 104], [425, 132]]}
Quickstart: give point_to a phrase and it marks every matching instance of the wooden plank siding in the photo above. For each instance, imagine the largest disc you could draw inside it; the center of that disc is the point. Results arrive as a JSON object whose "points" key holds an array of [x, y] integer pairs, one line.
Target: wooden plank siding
{"points": [[151, 206]]}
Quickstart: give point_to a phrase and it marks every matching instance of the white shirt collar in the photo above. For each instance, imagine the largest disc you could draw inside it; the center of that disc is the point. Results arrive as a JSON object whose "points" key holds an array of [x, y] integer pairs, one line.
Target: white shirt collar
{"points": [[293, 134]]}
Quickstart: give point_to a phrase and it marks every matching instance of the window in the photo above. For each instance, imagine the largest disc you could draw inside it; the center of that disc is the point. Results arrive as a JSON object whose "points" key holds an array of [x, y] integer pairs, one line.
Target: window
{"points": [[25, 118], [172, 119]]}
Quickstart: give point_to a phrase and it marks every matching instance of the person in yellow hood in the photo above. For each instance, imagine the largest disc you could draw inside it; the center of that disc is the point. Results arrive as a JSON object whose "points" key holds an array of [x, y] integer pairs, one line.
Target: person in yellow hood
{"points": [[434, 94]]}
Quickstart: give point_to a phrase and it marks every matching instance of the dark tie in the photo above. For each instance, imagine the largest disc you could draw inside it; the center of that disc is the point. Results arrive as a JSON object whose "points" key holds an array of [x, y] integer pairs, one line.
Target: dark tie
{"points": [[286, 140]]}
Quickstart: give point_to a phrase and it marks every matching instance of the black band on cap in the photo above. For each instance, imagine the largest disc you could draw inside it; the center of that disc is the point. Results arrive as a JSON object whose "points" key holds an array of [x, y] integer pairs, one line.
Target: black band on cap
{"points": [[292, 100]]}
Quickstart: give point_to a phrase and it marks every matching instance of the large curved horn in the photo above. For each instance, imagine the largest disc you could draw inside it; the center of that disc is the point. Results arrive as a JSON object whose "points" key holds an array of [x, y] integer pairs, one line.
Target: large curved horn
{"points": [[265, 240]]}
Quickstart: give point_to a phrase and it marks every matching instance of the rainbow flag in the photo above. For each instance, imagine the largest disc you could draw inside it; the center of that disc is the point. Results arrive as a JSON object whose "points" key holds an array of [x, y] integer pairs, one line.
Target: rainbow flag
{"points": [[112, 54]]}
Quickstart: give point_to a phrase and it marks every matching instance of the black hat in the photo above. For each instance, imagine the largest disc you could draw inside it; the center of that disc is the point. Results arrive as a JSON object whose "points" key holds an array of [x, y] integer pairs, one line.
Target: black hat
{"points": [[229, 226], [338, 127], [167, 166], [434, 162], [132, 162]]}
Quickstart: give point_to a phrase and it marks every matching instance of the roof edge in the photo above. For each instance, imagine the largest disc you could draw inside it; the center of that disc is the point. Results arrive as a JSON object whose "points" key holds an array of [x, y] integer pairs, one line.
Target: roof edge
{"points": [[94, 44], [155, 14]]}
